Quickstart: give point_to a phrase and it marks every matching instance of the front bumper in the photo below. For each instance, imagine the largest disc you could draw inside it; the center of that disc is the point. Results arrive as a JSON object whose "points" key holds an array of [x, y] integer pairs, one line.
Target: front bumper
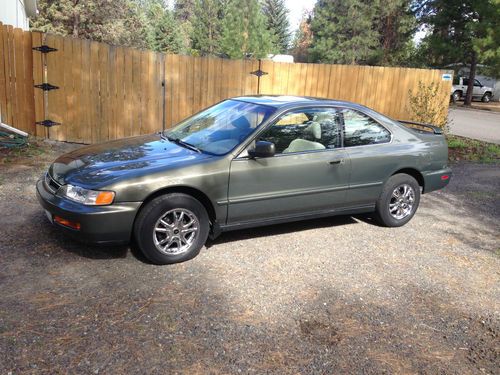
{"points": [[436, 180], [98, 224]]}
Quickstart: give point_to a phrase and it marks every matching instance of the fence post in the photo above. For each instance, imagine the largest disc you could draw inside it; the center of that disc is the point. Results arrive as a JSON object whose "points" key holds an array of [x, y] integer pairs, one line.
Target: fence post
{"points": [[163, 92], [259, 73], [45, 86]]}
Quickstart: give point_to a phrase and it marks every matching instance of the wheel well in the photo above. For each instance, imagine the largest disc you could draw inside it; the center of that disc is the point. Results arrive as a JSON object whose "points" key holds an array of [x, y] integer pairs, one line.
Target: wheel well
{"points": [[487, 92], [459, 91], [195, 193], [415, 174]]}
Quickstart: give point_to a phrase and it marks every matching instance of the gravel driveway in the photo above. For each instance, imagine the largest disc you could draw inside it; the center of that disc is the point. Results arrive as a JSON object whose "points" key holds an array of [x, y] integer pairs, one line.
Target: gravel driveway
{"points": [[338, 295]]}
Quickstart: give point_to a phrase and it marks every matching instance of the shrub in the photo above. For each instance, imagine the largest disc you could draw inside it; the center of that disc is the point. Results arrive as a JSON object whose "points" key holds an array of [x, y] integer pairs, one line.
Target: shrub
{"points": [[427, 105]]}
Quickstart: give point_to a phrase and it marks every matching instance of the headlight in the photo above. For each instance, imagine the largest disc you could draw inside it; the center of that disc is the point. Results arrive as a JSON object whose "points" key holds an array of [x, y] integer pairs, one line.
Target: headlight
{"points": [[86, 196]]}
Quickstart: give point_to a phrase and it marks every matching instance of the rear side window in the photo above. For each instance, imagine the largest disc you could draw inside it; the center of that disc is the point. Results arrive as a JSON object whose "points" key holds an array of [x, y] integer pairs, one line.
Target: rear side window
{"points": [[361, 130]]}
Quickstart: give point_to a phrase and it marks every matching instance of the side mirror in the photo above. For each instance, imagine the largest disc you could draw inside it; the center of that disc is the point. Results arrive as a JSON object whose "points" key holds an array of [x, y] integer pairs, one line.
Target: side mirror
{"points": [[262, 149]]}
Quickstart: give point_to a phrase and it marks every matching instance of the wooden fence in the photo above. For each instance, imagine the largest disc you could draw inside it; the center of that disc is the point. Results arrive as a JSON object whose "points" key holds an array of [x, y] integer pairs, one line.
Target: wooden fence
{"points": [[107, 92]]}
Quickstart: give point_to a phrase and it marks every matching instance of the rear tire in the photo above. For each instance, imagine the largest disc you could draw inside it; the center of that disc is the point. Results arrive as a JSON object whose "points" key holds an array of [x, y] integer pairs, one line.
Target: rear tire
{"points": [[398, 201], [455, 97], [171, 228], [486, 98]]}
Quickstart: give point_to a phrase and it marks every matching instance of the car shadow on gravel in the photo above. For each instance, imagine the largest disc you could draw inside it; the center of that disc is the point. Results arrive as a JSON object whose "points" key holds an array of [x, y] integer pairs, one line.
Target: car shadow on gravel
{"points": [[278, 229]]}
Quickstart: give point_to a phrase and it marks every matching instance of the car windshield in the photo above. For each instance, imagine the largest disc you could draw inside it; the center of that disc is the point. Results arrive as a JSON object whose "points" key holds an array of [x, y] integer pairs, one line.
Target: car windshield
{"points": [[219, 129]]}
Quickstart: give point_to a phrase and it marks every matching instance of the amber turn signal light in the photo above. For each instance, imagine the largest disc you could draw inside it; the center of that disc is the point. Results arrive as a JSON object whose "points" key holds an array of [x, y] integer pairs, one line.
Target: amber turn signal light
{"points": [[67, 223], [104, 197]]}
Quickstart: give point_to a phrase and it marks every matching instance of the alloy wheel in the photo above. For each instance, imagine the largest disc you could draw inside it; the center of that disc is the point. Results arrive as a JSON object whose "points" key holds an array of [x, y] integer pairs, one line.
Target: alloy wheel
{"points": [[175, 231], [402, 201]]}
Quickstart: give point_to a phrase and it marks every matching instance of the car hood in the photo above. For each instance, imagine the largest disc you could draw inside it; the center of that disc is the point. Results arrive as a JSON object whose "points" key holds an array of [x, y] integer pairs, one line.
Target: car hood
{"points": [[100, 165]]}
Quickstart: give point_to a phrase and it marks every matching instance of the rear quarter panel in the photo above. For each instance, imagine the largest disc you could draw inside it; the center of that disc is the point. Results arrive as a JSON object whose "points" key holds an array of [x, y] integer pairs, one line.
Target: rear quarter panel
{"points": [[372, 165]]}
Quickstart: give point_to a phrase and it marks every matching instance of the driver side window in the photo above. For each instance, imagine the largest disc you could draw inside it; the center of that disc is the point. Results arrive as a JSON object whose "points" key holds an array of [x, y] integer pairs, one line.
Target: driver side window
{"points": [[307, 129]]}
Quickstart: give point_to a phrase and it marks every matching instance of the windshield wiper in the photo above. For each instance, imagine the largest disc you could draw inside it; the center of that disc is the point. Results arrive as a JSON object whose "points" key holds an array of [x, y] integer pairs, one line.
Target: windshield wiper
{"points": [[180, 142]]}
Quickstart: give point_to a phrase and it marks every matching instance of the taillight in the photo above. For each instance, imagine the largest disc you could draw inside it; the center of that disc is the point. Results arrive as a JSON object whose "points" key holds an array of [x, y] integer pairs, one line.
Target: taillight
{"points": [[444, 177]]}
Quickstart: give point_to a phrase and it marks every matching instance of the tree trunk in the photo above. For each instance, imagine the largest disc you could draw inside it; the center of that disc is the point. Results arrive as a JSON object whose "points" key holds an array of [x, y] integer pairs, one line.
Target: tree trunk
{"points": [[472, 76]]}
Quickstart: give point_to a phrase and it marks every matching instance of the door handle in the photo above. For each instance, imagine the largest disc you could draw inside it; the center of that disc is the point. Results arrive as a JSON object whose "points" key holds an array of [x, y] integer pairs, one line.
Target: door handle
{"points": [[338, 161]]}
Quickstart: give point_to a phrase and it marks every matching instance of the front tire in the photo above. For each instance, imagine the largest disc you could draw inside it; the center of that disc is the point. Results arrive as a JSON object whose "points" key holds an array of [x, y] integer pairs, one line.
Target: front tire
{"points": [[171, 228], [398, 201], [456, 96]]}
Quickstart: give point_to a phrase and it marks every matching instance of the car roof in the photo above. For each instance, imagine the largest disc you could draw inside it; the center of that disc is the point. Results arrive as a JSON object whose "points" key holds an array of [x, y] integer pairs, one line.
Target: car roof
{"points": [[281, 101]]}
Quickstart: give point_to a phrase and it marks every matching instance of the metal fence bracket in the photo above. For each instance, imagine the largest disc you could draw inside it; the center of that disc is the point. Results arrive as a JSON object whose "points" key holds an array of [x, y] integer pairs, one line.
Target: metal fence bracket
{"points": [[46, 87], [44, 49], [259, 73], [47, 123]]}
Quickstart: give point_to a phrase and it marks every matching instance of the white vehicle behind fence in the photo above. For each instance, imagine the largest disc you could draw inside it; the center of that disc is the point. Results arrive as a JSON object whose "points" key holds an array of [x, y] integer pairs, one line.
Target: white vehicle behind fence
{"points": [[459, 89]]}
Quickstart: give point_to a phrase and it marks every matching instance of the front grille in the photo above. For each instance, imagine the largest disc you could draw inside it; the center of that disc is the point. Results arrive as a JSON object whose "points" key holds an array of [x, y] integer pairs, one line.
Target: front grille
{"points": [[51, 184]]}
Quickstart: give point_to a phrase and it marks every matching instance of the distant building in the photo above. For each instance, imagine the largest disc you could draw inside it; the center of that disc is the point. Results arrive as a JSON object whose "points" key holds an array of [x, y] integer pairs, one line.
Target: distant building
{"points": [[280, 58], [17, 12]]}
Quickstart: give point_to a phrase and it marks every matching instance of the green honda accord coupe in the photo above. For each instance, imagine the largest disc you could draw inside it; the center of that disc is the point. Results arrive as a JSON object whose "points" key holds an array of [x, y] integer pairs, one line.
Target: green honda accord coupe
{"points": [[244, 162]]}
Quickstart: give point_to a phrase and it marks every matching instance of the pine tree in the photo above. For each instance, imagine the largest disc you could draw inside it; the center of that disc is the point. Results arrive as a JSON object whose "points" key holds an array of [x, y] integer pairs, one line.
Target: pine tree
{"points": [[244, 30], [487, 44], [343, 32], [395, 23], [115, 22], [207, 26], [183, 15], [458, 29], [163, 33], [277, 23]]}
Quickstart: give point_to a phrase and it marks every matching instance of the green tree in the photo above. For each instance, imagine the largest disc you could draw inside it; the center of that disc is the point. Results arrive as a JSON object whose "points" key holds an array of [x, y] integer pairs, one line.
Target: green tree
{"points": [[206, 32], [395, 24], [163, 30], [343, 32], [461, 32], [184, 10], [487, 44], [277, 23], [244, 30], [90, 19], [183, 15]]}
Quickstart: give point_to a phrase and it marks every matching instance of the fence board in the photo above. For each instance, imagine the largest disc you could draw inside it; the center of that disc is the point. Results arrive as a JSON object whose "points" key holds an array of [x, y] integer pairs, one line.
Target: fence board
{"points": [[37, 74], [111, 92], [12, 107], [3, 77], [29, 100], [19, 78]]}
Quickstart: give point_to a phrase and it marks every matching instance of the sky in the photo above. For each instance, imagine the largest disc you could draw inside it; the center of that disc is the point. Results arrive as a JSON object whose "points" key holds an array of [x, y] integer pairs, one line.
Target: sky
{"points": [[296, 8]]}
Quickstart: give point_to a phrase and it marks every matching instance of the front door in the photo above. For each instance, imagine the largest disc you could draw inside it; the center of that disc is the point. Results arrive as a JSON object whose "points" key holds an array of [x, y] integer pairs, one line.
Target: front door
{"points": [[478, 89], [308, 174]]}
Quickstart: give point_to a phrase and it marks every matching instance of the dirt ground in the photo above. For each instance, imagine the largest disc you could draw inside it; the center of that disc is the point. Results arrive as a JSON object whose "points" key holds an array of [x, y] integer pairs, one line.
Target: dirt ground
{"points": [[339, 295]]}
